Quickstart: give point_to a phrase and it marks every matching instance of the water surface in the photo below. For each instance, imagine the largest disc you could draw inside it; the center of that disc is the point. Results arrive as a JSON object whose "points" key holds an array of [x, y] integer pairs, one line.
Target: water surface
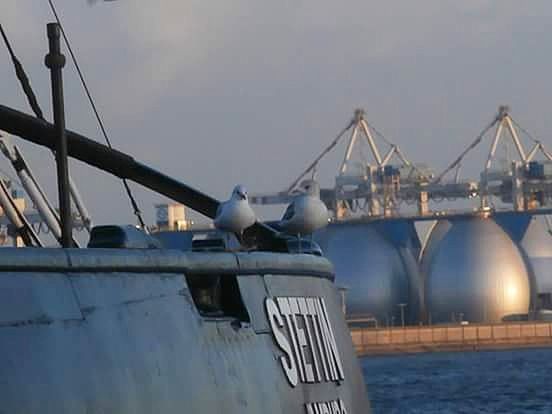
{"points": [[518, 381]]}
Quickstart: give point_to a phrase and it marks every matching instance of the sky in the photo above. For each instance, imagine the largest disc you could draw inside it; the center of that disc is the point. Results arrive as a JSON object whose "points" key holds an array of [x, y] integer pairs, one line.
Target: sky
{"points": [[216, 93]]}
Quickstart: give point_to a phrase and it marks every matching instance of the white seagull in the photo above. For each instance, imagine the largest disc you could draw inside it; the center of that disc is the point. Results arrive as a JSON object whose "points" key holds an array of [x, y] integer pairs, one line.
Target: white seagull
{"points": [[235, 215], [306, 213]]}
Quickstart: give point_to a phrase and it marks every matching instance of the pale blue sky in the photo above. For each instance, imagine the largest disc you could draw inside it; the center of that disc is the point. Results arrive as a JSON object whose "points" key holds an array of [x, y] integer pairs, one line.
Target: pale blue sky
{"points": [[217, 93]]}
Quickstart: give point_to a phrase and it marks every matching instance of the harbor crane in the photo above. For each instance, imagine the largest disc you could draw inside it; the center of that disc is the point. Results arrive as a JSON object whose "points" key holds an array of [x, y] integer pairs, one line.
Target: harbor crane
{"points": [[377, 188]]}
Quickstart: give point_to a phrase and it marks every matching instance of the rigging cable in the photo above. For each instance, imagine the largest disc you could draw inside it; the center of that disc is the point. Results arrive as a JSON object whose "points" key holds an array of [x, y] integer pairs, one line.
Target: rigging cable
{"points": [[133, 202], [379, 134], [535, 140], [458, 160], [391, 145], [322, 154], [23, 79], [518, 126], [33, 102], [25, 85], [14, 181]]}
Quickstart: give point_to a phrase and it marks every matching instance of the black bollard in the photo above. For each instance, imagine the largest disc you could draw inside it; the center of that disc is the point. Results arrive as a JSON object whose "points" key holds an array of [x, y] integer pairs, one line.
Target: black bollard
{"points": [[55, 61]]}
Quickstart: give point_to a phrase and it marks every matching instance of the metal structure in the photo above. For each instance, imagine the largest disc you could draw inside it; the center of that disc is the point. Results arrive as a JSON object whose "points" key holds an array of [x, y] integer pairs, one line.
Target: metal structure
{"points": [[21, 230], [537, 245], [43, 217], [20, 227], [474, 269], [377, 189], [533, 235], [381, 189], [370, 202], [376, 272], [55, 61], [38, 197], [526, 184], [23, 226]]}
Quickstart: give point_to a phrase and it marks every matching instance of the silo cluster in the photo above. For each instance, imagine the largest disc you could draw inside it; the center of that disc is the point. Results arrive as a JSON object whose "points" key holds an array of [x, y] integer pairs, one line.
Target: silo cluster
{"points": [[470, 269]]}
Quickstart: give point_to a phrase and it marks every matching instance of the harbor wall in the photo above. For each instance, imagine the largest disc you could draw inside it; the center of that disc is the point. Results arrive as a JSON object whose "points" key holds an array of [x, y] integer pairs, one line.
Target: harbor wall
{"points": [[378, 341]]}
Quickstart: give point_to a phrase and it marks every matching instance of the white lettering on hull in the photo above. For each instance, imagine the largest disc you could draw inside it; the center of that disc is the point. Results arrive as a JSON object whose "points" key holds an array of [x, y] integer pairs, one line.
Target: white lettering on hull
{"points": [[303, 332], [326, 407], [287, 360]]}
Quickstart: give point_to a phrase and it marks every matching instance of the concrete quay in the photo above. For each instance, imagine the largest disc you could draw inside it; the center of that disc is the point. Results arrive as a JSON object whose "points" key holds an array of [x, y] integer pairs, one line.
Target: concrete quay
{"points": [[438, 338]]}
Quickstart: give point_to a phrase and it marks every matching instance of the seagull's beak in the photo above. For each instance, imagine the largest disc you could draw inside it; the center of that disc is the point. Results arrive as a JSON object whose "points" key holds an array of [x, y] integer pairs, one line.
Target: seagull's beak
{"points": [[242, 196]]}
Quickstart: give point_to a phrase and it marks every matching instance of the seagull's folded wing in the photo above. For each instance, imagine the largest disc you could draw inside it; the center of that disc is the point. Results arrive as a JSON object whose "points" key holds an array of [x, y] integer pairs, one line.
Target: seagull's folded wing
{"points": [[288, 214], [219, 210]]}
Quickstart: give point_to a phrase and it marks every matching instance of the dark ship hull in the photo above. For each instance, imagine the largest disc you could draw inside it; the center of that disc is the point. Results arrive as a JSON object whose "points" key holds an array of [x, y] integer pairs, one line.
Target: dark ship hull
{"points": [[125, 326], [121, 331]]}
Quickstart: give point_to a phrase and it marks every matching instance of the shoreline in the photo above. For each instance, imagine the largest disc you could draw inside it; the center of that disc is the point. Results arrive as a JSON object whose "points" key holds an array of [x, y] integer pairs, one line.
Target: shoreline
{"points": [[451, 338]]}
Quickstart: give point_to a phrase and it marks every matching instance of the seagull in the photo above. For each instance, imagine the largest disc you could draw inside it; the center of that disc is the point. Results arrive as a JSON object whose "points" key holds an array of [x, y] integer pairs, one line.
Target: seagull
{"points": [[235, 214], [306, 213]]}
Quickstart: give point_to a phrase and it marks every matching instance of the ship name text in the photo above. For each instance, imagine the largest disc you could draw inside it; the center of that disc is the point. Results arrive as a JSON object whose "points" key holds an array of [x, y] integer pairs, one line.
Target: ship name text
{"points": [[303, 332], [326, 407]]}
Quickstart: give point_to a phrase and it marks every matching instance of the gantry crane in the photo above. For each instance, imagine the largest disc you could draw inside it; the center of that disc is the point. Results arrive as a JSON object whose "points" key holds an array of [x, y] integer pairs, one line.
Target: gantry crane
{"points": [[378, 187]]}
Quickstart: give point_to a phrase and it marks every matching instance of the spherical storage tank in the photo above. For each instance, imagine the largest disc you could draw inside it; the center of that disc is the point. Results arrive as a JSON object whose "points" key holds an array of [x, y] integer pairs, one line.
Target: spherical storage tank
{"points": [[375, 273], [473, 271], [537, 244]]}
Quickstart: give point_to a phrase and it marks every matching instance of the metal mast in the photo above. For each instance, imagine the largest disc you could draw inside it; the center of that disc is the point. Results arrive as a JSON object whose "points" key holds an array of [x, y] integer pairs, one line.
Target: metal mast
{"points": [[55, 61]]}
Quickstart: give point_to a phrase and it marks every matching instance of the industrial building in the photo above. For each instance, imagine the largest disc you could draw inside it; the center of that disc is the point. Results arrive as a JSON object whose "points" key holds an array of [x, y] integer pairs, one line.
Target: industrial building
{"points": [[488, 263]]}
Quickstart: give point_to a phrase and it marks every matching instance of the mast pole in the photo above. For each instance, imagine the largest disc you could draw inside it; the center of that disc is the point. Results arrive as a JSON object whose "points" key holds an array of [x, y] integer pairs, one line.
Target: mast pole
{"points": [[55, 61]]}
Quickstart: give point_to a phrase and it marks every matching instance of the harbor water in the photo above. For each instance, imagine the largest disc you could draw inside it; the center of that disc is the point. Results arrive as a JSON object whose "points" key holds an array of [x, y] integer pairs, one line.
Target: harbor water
{"points": [[516, 381]]}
